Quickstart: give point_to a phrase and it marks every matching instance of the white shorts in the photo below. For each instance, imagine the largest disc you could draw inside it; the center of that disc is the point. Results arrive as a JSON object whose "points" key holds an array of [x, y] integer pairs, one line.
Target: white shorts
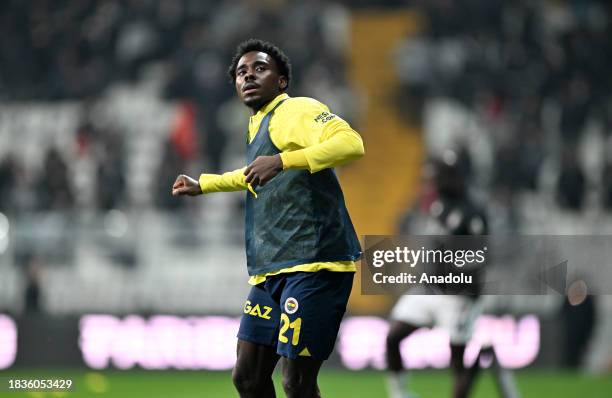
{"points": [[456, 314]]}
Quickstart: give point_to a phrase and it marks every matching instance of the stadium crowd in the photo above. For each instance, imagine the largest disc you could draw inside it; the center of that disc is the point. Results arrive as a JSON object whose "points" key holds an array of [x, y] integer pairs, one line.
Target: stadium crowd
{"points": [[533, 73], [77, 49], [534, 76]]}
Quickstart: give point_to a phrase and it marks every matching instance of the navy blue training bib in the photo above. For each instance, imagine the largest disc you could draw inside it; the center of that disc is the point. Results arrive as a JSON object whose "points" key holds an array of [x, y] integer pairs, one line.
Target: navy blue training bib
{"points": [[297, 217]]}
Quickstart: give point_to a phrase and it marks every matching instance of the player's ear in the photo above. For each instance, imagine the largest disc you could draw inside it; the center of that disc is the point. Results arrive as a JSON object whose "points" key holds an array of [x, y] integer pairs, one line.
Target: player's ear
{"points": [[282, 83]]}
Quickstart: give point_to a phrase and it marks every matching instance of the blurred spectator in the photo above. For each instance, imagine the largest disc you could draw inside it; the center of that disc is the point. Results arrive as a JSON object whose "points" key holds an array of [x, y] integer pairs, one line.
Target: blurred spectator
{"points": [[111, 171], [32, 290], [170, 163], [572, 182], [607, 186], [8, 180], [579, 317], [575, 106], [53, 188]]}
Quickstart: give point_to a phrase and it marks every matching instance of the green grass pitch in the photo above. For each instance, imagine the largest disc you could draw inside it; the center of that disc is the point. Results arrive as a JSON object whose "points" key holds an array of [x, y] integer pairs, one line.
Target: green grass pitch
{"points": [[333, 383]]}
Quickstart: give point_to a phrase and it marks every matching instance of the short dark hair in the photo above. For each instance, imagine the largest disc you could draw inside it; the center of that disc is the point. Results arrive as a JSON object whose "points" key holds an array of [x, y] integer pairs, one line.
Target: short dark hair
{"points": [[282, 61]]}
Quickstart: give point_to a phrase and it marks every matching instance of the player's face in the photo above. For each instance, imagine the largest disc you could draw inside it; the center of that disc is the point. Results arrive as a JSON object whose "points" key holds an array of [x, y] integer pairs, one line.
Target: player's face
{"points": [[258, 80]]}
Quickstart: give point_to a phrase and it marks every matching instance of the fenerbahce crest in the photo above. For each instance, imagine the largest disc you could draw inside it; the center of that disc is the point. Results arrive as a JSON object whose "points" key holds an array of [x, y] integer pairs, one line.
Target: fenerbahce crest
{"points": [[291, 305]]}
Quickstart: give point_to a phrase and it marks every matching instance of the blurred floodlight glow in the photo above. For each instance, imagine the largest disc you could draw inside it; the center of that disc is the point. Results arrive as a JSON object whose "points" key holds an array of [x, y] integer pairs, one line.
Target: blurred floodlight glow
{"points": [[8, 341], [96, 339], [96, 382], [161, 342], [362, 343], [426, 348], [516, 344], [209, 342]]}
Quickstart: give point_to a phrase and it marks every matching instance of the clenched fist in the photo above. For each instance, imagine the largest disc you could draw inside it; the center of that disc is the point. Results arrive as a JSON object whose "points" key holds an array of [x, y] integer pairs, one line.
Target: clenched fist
{"points": [[185, 185]]}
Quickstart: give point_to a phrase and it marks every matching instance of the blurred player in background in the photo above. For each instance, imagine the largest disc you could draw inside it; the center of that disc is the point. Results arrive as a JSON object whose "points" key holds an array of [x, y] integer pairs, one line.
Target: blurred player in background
{"points": [[445, 209], [300, 241]]}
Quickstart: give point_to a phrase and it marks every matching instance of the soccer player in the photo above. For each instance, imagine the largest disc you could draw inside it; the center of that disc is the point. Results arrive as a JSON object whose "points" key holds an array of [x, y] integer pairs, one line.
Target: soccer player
{"points": [[452, 213], [300, 242]]}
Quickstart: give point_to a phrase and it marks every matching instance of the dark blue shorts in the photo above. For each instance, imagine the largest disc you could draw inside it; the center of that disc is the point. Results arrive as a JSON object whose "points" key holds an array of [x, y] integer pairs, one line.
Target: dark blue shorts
{"points": [[299, 313]]}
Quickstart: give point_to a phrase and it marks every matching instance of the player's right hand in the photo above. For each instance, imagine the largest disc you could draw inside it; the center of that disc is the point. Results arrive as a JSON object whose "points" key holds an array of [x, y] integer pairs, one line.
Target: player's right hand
{"points": [[185, 185]]}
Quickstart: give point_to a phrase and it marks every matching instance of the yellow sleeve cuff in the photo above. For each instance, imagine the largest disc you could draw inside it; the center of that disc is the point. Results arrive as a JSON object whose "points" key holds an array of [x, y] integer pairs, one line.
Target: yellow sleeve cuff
{"points": [[294, 160], [206, 182]]}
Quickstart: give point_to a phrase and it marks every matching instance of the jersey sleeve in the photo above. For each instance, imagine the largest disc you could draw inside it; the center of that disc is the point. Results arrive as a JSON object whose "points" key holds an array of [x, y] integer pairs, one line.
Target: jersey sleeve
{"points": [[226, 182], [318, 138]]}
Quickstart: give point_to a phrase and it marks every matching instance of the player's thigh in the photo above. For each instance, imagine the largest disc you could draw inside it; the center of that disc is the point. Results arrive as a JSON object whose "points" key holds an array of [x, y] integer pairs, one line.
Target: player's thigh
{"points": [[255, 363], [312, 307], [260, 318], [300, 375]]}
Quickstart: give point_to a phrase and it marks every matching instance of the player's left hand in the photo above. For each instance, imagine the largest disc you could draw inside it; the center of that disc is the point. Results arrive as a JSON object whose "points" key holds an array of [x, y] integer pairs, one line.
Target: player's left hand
{"points": [[263, 169]]}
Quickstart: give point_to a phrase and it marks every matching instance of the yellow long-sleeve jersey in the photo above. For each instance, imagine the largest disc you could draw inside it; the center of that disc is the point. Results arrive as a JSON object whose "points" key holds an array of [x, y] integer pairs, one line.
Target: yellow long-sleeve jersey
{"points": [[309, 137]]}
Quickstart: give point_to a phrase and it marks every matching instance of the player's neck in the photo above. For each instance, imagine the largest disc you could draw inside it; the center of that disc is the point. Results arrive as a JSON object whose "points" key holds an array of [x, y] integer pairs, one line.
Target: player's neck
{"points": [[261, 106]]}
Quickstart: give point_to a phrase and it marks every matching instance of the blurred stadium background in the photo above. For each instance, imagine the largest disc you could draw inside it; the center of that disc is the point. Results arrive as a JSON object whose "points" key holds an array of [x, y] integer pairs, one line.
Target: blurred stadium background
{"points": [[107, 279]]}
